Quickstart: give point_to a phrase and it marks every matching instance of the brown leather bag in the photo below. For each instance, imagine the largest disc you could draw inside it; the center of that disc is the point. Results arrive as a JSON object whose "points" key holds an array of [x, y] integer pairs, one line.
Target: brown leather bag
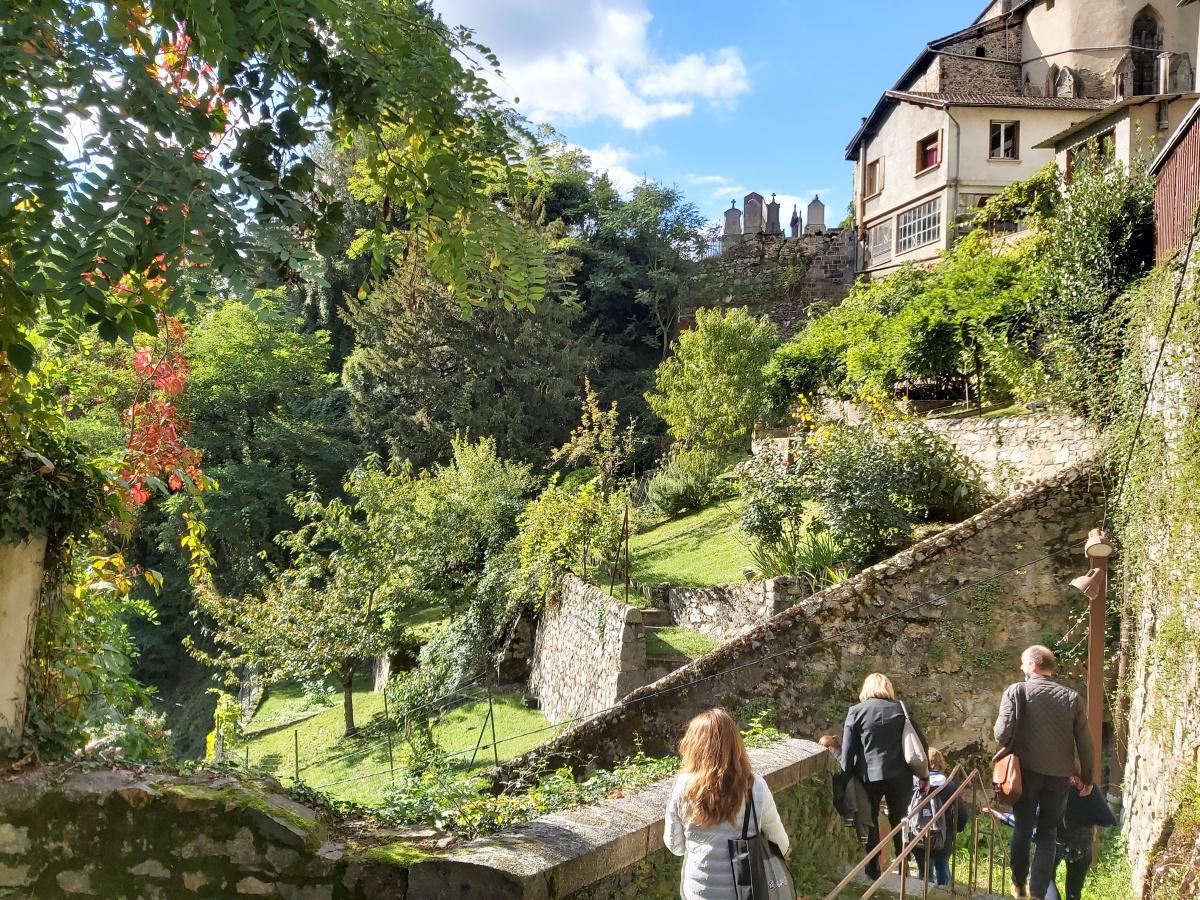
{"points": [[1006, 765]]}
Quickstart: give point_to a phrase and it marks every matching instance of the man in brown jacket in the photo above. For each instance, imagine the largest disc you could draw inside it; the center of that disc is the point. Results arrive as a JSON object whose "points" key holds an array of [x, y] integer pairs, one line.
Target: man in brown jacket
{"points": [[1051, 733]]}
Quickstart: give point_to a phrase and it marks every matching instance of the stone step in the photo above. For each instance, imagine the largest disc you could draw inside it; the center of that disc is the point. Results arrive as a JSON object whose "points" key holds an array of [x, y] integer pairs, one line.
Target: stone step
{"points": [[916, 887], [656, 618]]}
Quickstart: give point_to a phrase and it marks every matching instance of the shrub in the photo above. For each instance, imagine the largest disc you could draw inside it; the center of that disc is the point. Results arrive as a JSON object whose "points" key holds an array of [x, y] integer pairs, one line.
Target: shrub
{"points": [[814, 554], [687, 480]]}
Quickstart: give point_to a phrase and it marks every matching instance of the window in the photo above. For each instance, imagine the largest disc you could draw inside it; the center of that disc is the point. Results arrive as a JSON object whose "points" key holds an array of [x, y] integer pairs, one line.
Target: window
{"points": [[1147, 40], [981, 51], [874, 179], [1005, 140], [929, 151], [879, 242], [919, 226]]}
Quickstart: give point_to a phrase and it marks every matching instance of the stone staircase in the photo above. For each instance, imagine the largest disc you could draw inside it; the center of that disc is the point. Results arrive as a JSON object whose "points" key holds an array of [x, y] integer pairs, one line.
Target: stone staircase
{"points": [[915, 889]]}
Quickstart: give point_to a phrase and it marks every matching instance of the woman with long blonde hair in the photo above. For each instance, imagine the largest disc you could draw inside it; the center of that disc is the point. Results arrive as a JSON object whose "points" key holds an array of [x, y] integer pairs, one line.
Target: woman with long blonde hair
{"points": [[708, 802]]}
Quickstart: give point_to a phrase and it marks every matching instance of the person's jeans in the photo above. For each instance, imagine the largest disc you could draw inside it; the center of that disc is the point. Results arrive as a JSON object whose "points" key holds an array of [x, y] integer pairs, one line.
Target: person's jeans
{"points": [[939, 860], [898, 791], [1042, 804]]}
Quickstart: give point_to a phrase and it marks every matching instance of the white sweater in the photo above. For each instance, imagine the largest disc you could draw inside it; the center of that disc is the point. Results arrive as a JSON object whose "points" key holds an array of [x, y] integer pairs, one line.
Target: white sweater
{"points": [[707, 870]]}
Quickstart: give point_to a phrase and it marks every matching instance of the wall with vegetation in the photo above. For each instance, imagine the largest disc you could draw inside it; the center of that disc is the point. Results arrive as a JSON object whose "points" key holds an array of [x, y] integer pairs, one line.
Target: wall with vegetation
{"points": [[950, 657], [614, 850], [1158, 524], [125, 834], [780, 276], [589, 652], [1016, 451]]}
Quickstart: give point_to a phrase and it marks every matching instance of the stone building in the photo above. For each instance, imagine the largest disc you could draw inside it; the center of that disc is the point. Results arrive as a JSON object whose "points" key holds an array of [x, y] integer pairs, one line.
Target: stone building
{"points": [[988, 105]]}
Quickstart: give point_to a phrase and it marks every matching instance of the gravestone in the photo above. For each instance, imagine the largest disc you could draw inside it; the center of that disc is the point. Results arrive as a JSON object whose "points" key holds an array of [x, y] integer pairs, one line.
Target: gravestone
{"points": [[773, 217], [796, 222], [816, 217], [733, 226], [754, 214]]}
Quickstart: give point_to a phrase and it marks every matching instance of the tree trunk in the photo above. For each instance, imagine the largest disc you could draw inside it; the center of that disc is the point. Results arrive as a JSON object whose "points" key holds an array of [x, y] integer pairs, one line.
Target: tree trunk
{"points": [[348, 701]]}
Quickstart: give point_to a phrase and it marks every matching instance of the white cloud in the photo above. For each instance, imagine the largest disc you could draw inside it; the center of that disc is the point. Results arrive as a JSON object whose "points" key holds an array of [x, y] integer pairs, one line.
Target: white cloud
{"points": [[721, 76], [610, 159], [592, 59]]}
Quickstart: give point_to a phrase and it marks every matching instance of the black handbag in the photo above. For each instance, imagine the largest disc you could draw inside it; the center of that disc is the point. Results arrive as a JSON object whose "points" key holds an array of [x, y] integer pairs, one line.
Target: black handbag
{"points": [[759, 870]]}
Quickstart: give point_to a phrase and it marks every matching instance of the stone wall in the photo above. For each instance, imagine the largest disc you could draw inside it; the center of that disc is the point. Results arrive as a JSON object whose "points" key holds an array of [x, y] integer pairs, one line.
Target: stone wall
{"points": [[962, 70], [1163, 624], [781, 276], [1014, 452], [949, 648], [725, 611], [615, 850], [153, 836], [590, 651]]}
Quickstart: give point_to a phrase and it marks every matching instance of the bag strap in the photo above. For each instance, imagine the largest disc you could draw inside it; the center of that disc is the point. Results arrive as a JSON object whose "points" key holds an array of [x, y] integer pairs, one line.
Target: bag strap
{"points": [[750, 810], [1019, 700]]}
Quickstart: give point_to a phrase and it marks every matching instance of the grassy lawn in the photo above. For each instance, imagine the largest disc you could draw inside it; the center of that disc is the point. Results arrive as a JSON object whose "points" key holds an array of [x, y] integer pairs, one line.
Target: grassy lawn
{"points": [[699, 549], [675, 641], [321, 742]]}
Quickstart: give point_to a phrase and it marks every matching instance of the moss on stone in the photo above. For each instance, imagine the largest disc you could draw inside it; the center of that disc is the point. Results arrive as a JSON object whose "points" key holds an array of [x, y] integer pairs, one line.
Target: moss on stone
{"points": [[398, 854], [247, 797]]}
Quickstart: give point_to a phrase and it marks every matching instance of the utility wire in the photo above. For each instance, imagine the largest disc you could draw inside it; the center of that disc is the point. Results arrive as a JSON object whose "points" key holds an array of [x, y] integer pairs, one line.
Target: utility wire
{"points": [[723, 672]]}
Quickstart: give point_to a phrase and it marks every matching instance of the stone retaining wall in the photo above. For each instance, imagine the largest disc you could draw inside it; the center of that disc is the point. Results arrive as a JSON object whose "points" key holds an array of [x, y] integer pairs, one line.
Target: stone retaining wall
{"points": [[725, 611], [781, 277], [589, 652], [153, 836], [951, 657], [614, 850], [1014, 452]]}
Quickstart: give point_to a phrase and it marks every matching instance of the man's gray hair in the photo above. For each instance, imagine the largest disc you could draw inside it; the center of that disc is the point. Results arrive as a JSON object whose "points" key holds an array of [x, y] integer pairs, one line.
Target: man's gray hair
{"points": [[1042, 657]]}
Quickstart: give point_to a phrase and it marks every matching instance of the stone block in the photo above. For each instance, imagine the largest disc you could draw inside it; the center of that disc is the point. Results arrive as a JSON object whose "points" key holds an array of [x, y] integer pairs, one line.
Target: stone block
{"points": [[150, 868], [255, 887], [13, 840], [14, 876], [75, 881]]}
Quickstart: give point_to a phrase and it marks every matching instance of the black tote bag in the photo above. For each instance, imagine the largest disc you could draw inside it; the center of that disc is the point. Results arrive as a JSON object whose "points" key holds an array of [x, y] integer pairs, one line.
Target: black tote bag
{"points": [[759, 870]]}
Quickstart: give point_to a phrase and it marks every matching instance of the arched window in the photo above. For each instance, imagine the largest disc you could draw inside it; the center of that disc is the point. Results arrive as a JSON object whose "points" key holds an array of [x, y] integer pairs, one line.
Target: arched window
{"points": [[1147, 41], [981, 51], [1052, 82]]}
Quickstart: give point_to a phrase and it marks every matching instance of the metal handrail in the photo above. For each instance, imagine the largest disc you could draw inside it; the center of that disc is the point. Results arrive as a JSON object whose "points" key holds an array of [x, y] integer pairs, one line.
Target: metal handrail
{"points": [[974, 783]]}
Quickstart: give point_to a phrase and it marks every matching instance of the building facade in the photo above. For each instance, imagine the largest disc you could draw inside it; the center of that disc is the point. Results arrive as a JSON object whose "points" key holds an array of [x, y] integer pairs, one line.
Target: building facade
{"points": [[987, 106]]}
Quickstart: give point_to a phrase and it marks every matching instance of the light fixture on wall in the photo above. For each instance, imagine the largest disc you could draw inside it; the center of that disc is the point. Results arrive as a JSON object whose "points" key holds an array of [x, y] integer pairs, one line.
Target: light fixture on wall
{"points": [[1098, 549]]}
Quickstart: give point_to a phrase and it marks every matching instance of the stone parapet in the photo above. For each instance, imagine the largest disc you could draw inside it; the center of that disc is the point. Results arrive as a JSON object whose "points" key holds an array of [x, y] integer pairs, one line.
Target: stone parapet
{"points": [[727, 610], [614, 850], [946, 618]]}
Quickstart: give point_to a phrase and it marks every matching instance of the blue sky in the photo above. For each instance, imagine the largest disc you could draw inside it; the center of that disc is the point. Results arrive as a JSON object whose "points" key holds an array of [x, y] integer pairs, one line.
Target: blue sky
{"points": [[719, 98]]}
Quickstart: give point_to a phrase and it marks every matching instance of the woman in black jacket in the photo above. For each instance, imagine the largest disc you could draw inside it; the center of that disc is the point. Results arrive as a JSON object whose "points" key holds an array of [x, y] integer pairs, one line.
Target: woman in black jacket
{"points": [[873, 749]]}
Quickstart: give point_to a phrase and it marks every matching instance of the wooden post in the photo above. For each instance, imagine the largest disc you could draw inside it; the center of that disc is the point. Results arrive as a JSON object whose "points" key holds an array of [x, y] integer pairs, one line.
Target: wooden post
{"points": [[296, 754], [492, 717], [1097, 609]]}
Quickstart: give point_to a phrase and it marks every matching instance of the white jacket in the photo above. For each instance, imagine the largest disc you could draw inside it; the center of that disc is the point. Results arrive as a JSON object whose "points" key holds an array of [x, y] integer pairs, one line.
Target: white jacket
{"points": [[707, 870]]}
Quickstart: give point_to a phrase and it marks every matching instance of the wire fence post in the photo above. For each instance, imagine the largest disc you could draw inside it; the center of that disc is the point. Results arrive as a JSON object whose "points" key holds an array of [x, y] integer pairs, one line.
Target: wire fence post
{"points": [[625, 535], [247, 766], [479, 740], [391, 758], [296, 753], [492, 718]]}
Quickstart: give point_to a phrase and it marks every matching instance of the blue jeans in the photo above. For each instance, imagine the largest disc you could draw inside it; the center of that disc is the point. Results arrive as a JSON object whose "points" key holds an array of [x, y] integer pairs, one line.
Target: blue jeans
{"points": [[939, 860], [1042, 804]]}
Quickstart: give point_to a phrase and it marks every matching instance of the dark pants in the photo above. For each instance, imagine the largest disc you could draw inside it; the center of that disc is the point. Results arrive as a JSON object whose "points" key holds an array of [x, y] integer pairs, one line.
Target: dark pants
{"points": [[1042, 804], [938, 861], [898, 791], [1076, 875]]}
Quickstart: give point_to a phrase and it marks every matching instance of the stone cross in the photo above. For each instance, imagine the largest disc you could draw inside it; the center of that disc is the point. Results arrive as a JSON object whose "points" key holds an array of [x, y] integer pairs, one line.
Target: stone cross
{"points": [[816, 217], [754, 214], [796, 222], [773, 217]]}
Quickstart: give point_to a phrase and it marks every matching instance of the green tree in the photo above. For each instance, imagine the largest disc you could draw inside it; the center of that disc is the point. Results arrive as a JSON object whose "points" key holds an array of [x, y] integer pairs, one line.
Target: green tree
{"points": [[422, 372], [336, 604], [598, 440], [711, 390], [196, 159]]}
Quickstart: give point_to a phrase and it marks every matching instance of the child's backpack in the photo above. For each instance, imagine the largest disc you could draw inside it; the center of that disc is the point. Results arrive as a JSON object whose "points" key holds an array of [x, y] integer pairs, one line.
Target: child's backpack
{"points": [[916, 820]]}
